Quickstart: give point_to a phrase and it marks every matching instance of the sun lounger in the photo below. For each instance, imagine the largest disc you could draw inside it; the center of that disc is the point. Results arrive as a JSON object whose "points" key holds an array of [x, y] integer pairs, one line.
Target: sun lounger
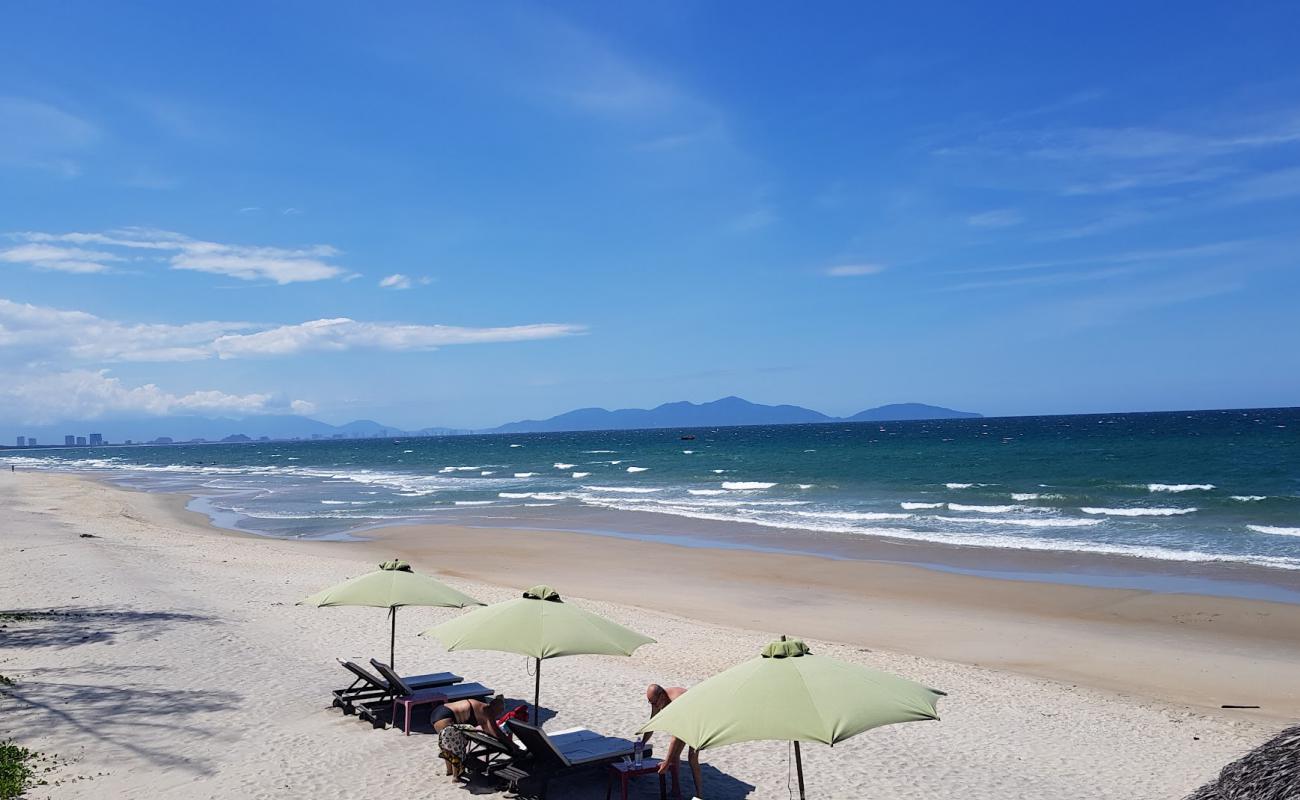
{"points": [[545, 756], [368, 688], [408, 697]]}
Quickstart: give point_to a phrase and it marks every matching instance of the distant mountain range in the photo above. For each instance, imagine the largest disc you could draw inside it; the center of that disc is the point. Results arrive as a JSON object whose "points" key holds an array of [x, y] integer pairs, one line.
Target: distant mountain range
{"points": [[719, 413], [727, 411]]}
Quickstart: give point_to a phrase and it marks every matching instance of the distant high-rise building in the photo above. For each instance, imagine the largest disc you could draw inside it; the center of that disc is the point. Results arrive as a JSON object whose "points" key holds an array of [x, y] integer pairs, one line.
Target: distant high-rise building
{"points": [[96, 439], [31, 441], [69, 440], [22, 441], [81, 441], [162, 440], [128, 441]]}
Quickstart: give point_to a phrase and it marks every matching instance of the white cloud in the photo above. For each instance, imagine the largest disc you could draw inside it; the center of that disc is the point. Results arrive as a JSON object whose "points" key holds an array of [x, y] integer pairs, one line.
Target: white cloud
{"points": [[37, 333], [91, 394], [58, 258], [997, 218], [853, 270], [279, 264], [398, 281], [338, 335]]}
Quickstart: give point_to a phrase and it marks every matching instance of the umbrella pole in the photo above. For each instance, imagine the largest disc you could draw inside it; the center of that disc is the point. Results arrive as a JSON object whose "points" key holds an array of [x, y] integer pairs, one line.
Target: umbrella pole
{"points": [[537, 694], [392, 639], [798, 766]]}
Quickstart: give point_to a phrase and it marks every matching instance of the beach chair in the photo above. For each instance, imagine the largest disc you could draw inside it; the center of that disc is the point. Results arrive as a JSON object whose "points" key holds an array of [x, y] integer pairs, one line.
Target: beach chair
{"points": [[368, 688], [549, 756], [408, 697]]}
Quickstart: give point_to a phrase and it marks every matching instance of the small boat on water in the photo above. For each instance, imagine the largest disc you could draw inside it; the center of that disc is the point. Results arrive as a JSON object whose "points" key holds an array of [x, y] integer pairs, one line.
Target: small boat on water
{"points": [[688, 438]]}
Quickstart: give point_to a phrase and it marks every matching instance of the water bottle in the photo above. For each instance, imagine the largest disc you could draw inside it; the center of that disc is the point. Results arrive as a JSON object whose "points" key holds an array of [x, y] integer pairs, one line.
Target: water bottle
{"points": [[638, 749]]}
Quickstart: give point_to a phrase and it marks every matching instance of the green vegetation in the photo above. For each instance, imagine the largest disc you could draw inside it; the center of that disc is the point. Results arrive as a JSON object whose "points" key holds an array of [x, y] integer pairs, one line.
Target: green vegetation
{"points": [[16, 772], [5, 680]]}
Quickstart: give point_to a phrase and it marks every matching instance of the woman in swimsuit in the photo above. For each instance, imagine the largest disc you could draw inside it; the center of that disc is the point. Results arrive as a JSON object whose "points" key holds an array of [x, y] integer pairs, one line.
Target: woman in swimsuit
{"points": [[450, 720]]}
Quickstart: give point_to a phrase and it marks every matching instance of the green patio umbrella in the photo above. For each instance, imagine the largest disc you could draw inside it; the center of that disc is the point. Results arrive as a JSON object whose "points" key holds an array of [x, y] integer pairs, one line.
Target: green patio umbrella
{"points": [[394, 584], [789, 694], [538, 624]]}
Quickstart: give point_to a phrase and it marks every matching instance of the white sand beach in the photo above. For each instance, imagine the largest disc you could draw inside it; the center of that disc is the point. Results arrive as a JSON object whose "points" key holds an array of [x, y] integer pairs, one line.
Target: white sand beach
{"points": [[167, 658]]}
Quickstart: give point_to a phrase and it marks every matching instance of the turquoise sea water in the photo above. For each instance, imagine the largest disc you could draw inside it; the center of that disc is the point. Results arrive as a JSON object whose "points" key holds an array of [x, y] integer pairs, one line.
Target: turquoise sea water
{"points": [[1187, 486]]}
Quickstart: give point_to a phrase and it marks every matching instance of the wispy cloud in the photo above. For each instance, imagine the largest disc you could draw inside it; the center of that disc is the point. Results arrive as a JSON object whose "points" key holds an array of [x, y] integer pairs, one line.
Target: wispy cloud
{"points": [[59, 258], [400, 282], [342, 334], [39, 334], [40, 136], [1161, 255], [853, 270], [1050, 279], [997, 218], [46, 397], [277, 264], [1275, 185]]}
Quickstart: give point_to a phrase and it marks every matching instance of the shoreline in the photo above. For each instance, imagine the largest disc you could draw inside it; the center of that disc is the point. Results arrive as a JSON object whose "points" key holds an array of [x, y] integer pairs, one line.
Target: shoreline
{"points": [[1094, 635], [1068, 567]]}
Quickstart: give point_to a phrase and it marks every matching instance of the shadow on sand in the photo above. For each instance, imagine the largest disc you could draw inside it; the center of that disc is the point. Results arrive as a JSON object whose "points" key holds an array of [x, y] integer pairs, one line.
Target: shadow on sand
{"points": [[73, 625], [120, 704]]}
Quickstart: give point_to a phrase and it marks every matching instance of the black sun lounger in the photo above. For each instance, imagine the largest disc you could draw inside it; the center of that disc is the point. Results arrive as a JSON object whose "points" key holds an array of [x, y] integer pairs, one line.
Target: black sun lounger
{"points": [[548, 756], [407, 696], [367, 688]]}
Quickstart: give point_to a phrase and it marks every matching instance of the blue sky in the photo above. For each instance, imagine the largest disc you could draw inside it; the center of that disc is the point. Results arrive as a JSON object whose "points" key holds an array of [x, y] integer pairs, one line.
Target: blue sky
{"points": [[1009, 208]]}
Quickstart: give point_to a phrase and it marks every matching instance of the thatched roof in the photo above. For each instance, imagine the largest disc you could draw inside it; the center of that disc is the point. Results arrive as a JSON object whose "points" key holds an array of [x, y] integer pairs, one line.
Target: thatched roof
{"points": [[1269, 772]]}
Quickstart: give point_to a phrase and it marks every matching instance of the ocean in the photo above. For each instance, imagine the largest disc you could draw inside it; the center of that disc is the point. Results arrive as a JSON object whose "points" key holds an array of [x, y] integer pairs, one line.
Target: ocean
{"points": [[1204, 486]]}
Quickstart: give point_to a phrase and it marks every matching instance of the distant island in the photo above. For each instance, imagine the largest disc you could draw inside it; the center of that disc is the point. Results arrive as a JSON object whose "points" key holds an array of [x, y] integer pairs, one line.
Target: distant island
{"points": [[728, 411]]}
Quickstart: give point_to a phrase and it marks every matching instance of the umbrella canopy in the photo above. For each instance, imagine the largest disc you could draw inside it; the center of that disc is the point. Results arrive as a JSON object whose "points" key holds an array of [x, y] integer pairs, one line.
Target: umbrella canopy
{"points": [[393, 585], [790, 694], [538, 624]]}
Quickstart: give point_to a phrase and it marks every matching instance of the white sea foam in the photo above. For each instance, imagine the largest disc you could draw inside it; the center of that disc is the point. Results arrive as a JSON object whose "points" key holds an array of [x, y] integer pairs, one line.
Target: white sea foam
{"points": [[334, 502], [988, 509], [408, 451], [525, 474], [706, 492], [560, 465], [516, 445], [981, 539], [1139, 512], [742, 486], [1248, 498], [687, 452], [1174, 488], [487, 472], [581, 474], [852, 516], [919, 506], [637, 469], [475, 502], [623, 489], [1025, 495], [514, 495], [1275, 530], [804, 485], [538, 505], [599, 451], [1040, 522], [718, 471]]}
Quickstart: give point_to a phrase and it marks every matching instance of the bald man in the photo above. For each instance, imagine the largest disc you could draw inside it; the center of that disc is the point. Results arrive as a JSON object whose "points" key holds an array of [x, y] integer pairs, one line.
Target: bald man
{"points": [[659, 698]]}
